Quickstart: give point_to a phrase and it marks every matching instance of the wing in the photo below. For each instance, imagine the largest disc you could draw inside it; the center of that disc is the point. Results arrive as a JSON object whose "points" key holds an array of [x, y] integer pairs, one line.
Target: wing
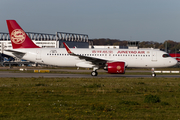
{"points": [[96, 61], [16, 53]]}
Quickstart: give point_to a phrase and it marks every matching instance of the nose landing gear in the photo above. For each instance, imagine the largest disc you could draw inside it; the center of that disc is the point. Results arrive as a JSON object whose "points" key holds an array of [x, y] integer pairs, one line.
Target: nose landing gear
{"points": [[153, 73]]}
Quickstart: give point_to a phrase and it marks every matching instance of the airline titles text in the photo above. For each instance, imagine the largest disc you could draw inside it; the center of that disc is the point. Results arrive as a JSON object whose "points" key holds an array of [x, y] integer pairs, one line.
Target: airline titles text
{"points": [[118, 52]]}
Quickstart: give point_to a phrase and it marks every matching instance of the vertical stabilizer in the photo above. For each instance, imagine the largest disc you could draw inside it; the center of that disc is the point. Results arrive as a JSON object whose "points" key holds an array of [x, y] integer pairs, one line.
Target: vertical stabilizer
{"points": [[19, 38]]}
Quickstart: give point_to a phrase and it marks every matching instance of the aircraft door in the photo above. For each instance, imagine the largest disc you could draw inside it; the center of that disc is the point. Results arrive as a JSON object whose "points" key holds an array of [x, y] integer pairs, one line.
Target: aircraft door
{"points": [[154, 56], [38, 55]]}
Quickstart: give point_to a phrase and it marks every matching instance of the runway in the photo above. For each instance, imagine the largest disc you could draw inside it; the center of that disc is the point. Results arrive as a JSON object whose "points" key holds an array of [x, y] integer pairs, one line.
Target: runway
{"points": [[4, 74]]}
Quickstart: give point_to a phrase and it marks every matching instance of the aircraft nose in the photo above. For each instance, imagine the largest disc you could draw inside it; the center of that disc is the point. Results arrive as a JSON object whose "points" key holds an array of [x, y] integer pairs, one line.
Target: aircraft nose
{"points": [[173, 61]]}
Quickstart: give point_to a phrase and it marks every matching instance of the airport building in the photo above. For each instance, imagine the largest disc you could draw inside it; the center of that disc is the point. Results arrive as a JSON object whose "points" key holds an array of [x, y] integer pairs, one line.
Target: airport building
{"points": [[49, 40]]}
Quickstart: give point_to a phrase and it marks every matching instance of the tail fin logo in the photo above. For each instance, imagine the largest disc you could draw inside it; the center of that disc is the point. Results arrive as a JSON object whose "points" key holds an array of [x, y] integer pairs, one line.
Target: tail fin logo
{"points": [[18, 36]]}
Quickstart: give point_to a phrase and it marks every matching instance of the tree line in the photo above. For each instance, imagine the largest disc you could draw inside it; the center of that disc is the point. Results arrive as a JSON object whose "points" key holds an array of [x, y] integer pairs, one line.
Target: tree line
{"points": [[170, 45]]}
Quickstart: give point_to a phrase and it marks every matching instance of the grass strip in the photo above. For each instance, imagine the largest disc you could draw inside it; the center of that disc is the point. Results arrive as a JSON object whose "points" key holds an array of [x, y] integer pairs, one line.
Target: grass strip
{"points": [[89, 98]]}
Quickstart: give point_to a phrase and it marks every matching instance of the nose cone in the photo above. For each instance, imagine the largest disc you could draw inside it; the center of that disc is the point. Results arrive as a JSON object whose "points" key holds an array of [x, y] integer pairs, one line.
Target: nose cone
{"points": [[173, 61]]}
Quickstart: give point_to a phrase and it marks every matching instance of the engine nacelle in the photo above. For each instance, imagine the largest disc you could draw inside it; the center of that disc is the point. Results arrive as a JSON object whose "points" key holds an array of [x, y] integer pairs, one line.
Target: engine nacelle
{"points": [[115, 67]]}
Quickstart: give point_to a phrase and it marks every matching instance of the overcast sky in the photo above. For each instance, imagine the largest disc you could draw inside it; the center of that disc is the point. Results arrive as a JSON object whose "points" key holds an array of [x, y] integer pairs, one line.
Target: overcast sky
{"points": [[142, 20]]}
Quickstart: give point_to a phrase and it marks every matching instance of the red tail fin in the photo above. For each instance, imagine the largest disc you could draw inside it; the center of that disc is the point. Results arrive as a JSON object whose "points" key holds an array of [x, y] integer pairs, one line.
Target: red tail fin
{"points": [[19, 38]]}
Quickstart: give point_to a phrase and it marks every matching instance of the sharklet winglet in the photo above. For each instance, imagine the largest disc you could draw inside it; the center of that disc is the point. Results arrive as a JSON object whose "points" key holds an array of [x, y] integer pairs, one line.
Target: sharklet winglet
{"points": [[67, 48]]}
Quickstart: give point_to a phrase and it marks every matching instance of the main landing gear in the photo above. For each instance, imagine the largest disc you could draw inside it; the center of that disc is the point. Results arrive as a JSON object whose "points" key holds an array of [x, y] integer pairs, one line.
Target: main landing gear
{"points": [[153, 73], [94, 72]]}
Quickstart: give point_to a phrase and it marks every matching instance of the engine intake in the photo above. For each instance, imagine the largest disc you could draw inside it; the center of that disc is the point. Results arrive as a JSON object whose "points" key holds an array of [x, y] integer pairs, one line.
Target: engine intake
{"points": [[115, 67]]}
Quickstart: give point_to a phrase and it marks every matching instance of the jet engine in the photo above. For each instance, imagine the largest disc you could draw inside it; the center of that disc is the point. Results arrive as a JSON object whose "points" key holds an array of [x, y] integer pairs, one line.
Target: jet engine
{"points": [[115, 67]]}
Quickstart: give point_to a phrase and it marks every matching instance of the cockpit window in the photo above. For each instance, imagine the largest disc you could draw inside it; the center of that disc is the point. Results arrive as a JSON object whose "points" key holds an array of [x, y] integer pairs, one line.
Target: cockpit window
{"points": [[166, 55]]}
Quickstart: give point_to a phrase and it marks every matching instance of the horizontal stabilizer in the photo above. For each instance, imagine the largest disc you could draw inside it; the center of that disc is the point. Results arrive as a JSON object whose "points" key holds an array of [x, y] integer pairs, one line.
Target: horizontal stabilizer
{"points": [[16, 53]]}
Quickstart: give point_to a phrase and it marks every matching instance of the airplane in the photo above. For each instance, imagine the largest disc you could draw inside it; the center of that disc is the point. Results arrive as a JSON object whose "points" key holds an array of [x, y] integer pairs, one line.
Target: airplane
{"points": [[115, 61]]}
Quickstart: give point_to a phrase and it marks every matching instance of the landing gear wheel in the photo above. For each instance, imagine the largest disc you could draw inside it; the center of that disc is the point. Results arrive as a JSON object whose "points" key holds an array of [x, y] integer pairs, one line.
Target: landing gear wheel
{"points": [[94, 73], [153, 75]]}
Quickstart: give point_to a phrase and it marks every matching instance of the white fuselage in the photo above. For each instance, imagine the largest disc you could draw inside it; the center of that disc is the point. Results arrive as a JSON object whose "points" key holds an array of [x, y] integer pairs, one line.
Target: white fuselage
{"points": [[131, 57]]}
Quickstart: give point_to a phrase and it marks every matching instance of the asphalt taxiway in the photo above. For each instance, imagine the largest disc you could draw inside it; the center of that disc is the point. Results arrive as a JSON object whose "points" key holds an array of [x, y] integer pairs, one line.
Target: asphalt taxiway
{"points": [[4, 74]]}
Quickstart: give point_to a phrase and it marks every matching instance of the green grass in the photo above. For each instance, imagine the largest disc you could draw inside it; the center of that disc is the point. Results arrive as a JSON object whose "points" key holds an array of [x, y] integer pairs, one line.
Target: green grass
{"points": [[89, 98]]}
